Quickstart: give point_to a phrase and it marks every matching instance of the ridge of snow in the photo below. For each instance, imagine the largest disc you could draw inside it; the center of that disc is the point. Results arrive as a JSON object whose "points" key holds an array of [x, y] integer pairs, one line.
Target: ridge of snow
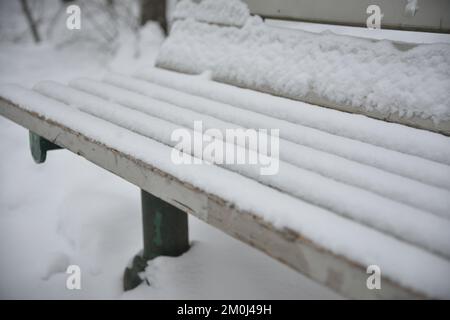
{"points": [[413, 268], [223, 12], [346, 71], [404, 222], [184, 109], [421, 143]]}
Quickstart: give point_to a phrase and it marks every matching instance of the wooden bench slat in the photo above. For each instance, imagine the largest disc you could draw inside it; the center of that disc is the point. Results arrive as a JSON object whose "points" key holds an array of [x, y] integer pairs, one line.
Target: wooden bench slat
{"points": [[396, 137], [419, 169], [310, 228], [405, 222], [140, 96], [378, 79]]}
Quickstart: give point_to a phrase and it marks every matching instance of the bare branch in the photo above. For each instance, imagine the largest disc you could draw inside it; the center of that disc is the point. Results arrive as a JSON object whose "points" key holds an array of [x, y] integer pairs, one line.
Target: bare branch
{"points": [[32, 24]]}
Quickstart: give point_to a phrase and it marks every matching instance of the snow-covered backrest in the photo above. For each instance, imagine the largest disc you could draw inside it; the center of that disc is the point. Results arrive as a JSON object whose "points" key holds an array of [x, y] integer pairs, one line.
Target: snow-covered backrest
{"points": [[408, 85], [414, 15]]}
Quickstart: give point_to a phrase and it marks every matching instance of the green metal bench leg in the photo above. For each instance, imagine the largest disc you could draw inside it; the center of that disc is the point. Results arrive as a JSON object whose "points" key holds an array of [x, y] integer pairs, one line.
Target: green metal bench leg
{"points": [[165, 230], [39, 147]]}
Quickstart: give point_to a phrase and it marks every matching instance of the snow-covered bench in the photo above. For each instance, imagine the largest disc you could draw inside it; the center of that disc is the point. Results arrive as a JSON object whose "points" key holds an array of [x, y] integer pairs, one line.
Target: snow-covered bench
{"points": [[351, 191]]}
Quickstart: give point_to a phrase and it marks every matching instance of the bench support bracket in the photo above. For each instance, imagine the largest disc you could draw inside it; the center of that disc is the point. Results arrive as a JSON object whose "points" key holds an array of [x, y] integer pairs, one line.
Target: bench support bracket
{"points": [[165, 233], [39, 147]]}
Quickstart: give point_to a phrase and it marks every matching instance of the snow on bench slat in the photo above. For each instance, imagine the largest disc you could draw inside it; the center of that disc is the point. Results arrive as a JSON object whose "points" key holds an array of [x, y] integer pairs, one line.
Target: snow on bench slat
{"points": [[414, 268], [426, 171], [344, 72], [408, 223], [388, 135], [392, 186], [228, 12]]}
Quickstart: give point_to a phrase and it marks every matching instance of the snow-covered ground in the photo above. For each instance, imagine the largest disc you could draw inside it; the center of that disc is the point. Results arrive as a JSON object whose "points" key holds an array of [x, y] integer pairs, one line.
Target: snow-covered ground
{"points": [[68, 211]]}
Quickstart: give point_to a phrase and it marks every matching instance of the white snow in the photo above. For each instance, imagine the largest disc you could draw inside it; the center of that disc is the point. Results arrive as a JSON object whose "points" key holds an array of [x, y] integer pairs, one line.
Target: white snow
{"points": [[392, 136], [224, 12], [381, 182], [70, 211], [137, 52], [402, 221], [398, 163], [411, 7], [370, 76], [414, 267], [86, 216]]}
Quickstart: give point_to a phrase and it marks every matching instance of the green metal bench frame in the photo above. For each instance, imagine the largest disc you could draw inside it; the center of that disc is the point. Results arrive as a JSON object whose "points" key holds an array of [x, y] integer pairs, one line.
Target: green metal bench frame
{"points": [[165, 227]]}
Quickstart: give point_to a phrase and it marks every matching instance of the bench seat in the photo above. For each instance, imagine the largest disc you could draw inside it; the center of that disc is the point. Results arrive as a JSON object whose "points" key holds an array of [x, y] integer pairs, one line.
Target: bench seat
{"points": [[351, 191]]}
